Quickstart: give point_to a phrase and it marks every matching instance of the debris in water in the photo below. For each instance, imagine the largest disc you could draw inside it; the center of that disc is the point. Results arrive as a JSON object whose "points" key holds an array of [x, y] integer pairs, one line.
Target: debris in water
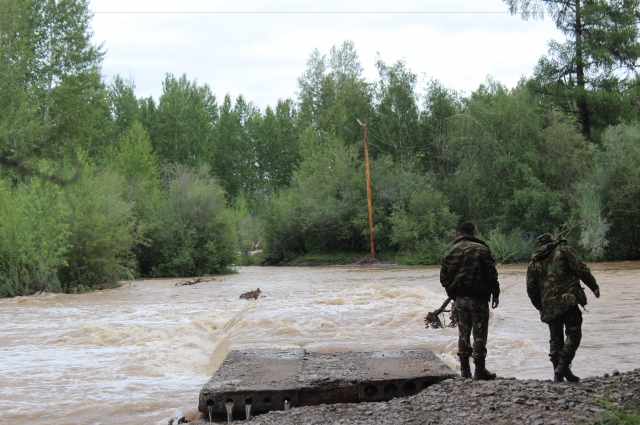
{"points": [[433, 321], [191, 282], [251, 295], [175, 421]]}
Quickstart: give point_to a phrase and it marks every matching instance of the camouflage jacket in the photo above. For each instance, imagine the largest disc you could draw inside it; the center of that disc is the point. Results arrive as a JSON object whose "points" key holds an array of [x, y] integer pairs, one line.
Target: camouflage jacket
{"points": [[553, 279], [468, 270]]}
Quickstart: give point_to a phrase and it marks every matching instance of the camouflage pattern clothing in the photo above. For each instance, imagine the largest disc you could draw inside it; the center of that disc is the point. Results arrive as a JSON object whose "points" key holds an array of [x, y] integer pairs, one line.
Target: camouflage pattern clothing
{"points": [[553, 278], [571, 323], [472, 314], [468, 270], [468, 274], [553, 285]]}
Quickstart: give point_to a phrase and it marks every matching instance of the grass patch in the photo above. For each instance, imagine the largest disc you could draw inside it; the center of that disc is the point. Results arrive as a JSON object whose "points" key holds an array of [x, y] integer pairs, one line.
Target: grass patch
{"points": [[614, 415]]}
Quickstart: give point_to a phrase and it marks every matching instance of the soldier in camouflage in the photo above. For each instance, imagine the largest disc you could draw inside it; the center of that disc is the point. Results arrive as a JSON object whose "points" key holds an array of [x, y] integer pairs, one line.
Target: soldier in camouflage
{"points": [[553, 285], [468, 274]]}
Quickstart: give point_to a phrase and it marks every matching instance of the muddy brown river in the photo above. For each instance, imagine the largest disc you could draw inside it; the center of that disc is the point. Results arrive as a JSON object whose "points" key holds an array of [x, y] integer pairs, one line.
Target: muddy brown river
{"points": [[140, 353]]}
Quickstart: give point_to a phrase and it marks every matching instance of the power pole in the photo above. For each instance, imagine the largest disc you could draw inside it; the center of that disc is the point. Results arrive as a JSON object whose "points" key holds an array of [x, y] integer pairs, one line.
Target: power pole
{"points": [[369, 204]]}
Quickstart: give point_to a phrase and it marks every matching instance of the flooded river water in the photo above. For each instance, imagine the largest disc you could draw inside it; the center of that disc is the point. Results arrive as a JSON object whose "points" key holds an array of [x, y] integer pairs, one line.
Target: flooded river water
{"points": [[141, 353]]}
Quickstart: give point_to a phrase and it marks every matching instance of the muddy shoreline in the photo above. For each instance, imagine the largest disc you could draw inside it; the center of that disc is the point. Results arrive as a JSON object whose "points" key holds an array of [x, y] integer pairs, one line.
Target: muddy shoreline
{"points": [[313, 262], [464, 401]]}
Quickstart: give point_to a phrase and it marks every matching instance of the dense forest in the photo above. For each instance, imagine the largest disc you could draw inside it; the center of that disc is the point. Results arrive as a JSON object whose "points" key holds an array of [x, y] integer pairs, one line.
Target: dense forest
{"points": [[97, 184]]}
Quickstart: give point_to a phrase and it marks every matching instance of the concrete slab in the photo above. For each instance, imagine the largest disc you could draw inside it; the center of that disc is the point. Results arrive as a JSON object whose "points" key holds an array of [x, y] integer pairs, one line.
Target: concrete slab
{"points": [[266, 378], [263, 378]]}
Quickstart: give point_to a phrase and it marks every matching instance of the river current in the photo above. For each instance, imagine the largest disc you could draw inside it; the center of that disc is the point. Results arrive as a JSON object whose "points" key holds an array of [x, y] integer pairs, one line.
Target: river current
{"points": [[142, 352]]}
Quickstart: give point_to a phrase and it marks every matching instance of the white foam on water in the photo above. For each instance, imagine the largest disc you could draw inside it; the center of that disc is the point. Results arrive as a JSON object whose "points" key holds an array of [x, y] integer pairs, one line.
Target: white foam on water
{"points": [[144, 350]]}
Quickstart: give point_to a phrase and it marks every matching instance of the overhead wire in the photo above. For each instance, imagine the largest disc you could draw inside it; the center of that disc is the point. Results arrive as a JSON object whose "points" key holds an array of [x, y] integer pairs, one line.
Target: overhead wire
{"points": [[299, 12]]}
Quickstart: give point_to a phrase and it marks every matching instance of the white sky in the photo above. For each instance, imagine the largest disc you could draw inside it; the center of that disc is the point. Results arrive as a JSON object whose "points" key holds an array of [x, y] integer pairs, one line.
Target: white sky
{"points": [[261, 55]]}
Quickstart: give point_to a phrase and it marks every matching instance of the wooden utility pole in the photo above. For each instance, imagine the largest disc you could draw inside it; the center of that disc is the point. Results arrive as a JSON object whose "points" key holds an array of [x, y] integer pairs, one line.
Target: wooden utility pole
{"points": [[369, 204]]}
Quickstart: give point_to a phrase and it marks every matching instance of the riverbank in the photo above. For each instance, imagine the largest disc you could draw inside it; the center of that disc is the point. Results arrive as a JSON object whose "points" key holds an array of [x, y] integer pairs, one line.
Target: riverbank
{"points": [[464, 401], [345, 261]]}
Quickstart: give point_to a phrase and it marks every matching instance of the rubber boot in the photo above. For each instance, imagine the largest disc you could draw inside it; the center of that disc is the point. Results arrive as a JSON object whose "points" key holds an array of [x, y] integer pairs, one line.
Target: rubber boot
{"points": [[481, 373], [564, 370], [556, 376], [465, 369]]}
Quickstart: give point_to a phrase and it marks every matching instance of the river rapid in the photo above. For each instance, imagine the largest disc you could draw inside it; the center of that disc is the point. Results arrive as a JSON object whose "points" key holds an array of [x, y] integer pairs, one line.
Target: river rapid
{"points": [[142, 352]]}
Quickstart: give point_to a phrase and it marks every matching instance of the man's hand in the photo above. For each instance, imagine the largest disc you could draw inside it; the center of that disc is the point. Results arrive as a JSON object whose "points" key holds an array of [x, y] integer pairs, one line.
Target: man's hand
{"points": [[496, 301], [597, 293]]}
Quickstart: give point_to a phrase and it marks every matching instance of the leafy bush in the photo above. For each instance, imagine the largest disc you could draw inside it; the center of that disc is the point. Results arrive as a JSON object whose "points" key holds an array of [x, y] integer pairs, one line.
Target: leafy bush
{"points": [[194, 232], [593, 224], [136, 163], [512, 247], [249, 225], [424, 227], [325, 208], [316, 213], [618, 180], [103, 231], [34, 236]]}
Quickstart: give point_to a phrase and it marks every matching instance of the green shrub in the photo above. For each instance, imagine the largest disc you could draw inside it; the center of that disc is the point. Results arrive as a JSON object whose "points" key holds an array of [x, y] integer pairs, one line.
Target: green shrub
{"points": [[34, 236], [512, 247], [425, 217], [103, 231], [325, 208], [194, 232], [617, 178], [136, 162], [249, 225]]}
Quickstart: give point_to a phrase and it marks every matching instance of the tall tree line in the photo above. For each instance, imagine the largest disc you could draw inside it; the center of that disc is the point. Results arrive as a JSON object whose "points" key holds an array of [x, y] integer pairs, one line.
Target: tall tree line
{"points": [[122, 186]]}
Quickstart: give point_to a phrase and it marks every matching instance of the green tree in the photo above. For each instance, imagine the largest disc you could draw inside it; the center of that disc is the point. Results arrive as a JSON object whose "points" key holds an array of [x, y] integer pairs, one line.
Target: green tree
{"points": [[123, 104], [324, 209], [439, 107], [333, 94], [234, 155], [103, 231], [609, 211], [510, 173], [20, 123], [136, 162], [65, 74], [602, 41], [278, 144], [53, 98], [181, 127], [396, 112]]}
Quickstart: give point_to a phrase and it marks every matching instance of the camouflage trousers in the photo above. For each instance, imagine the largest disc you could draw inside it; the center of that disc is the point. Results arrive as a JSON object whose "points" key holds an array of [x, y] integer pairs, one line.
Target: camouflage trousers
{"points": [[472, 315], [569, 323]]}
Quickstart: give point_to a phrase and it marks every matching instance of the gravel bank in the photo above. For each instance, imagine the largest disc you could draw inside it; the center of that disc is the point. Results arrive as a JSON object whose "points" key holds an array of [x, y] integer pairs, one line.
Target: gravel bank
{"points": [[464, 401]]}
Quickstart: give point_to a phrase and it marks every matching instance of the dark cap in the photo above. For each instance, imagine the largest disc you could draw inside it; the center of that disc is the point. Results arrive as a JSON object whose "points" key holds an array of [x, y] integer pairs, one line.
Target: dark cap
{"points": [[467, 225], [544, 239]]}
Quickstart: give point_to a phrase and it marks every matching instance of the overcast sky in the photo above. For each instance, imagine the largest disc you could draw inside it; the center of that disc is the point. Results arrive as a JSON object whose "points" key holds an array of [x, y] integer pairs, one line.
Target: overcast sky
{"points": [[260, 55]]}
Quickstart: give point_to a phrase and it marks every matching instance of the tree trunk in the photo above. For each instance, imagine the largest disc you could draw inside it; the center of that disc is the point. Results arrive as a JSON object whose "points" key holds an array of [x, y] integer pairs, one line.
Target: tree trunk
{"points": [[581, 98]]}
